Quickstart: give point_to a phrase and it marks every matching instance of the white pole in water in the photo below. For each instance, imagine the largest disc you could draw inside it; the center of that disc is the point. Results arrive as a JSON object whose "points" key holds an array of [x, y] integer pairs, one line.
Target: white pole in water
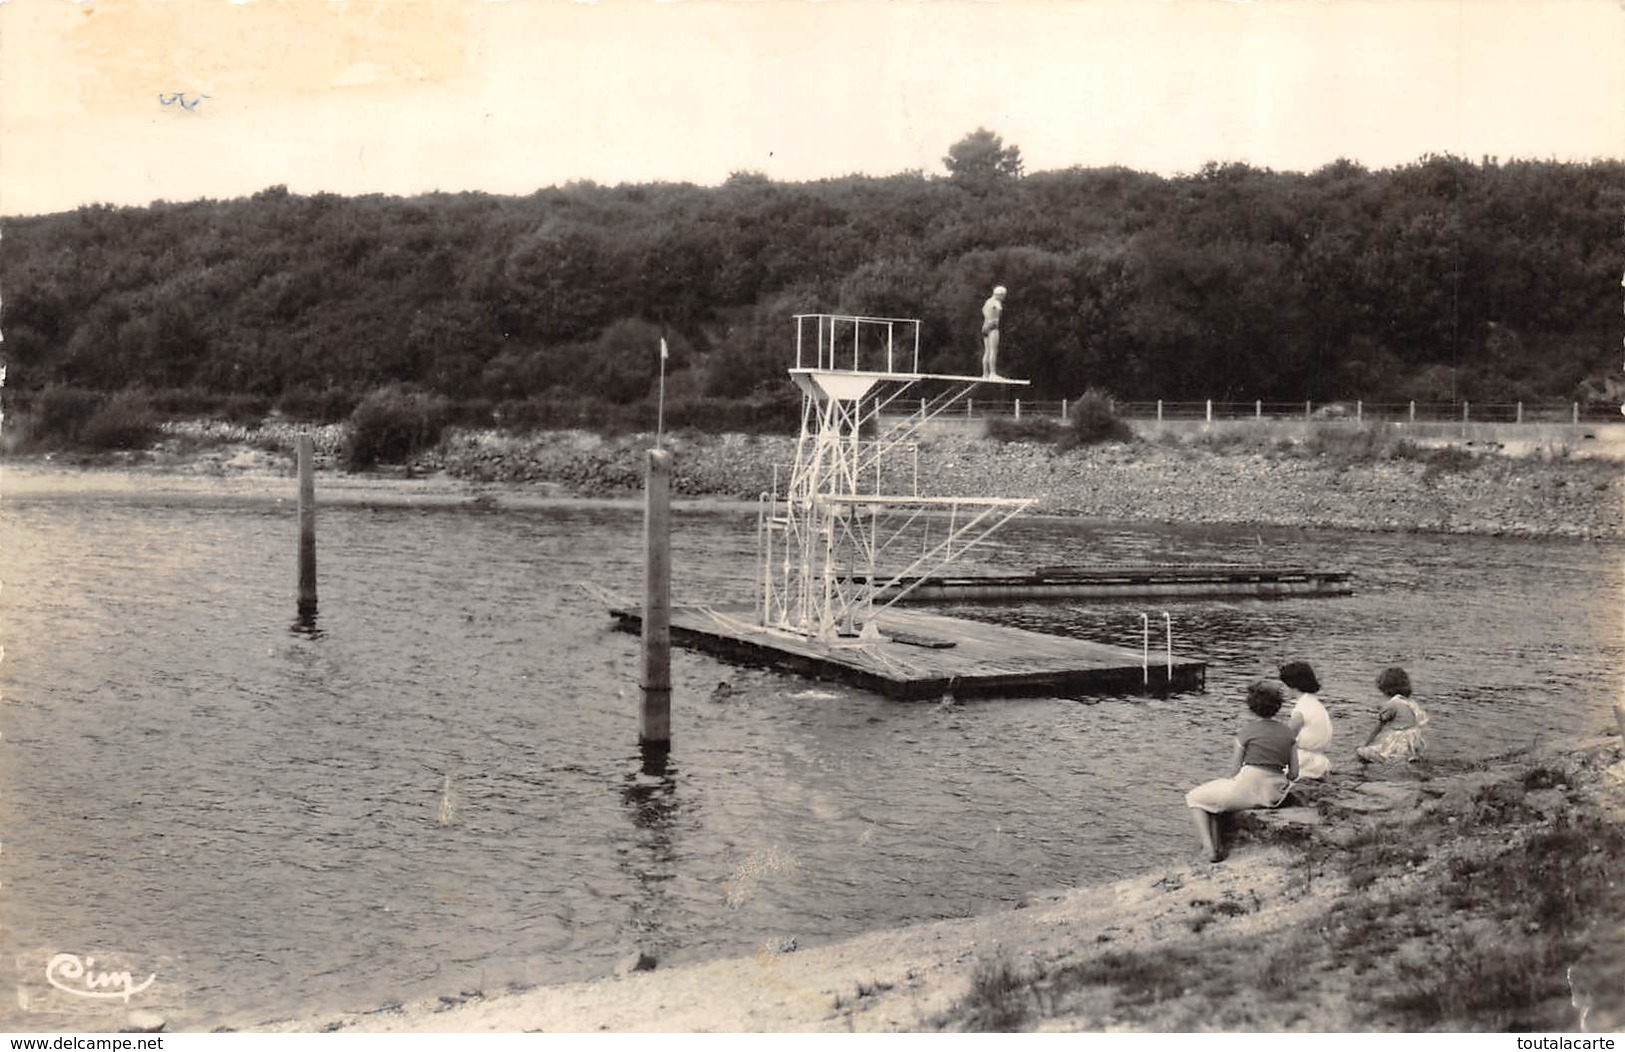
{"points": [[306, 447], [1168, 623], [660, 413], [654, 723]]}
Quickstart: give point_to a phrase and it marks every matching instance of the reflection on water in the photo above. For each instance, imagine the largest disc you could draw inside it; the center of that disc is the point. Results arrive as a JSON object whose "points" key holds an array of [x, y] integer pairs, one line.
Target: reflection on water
{"points": [[439, 789], [305, 624], [650, 798]]}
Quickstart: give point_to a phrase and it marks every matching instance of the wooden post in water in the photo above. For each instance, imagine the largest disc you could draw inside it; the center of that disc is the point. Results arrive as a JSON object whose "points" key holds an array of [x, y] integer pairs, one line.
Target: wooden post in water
{"points": [[654, 721], [1145, 650], [306, 447]]}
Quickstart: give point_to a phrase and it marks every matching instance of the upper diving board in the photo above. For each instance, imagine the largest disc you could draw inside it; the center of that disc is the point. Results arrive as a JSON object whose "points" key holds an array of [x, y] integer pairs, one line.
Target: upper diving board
{"points": [[852, 384], [869, 350], [873, 375]]}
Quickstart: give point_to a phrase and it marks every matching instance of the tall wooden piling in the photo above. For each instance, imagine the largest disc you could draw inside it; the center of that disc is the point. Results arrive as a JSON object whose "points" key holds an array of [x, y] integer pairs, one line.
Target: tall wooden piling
{"points": [[654, 722], [306, 447]]}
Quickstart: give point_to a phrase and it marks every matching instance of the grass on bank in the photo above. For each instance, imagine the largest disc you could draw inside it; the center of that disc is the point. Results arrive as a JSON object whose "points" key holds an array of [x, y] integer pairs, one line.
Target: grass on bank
{"points": [[1339, 444], [1461, 919], [1093, 420], [69, 418], [394, 422]]}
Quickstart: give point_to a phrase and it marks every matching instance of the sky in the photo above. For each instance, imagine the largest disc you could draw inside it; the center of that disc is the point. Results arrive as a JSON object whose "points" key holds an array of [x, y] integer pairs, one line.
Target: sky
{"points": [[130, 101]]}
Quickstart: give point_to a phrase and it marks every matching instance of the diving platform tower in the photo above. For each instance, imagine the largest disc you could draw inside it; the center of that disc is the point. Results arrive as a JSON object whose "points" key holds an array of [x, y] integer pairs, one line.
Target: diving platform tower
{"points": [[849, 533]]}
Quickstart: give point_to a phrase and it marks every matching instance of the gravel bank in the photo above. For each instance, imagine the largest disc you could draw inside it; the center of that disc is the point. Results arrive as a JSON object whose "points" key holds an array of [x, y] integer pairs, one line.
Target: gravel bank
{"points": [[1144, 482], [1530, 495]]}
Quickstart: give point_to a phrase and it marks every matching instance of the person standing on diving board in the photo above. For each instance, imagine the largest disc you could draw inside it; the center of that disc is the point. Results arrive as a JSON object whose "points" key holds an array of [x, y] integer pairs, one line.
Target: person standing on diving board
{"points": [[991, 312]]}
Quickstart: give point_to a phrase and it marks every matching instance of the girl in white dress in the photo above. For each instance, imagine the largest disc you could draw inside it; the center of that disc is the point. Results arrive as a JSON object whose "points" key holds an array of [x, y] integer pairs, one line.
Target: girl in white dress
{"points": [[1309, 719]]}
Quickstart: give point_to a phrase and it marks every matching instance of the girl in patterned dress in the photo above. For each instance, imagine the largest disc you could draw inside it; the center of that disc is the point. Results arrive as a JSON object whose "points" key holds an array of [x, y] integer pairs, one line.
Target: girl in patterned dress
{"points": [[1399, 723]]}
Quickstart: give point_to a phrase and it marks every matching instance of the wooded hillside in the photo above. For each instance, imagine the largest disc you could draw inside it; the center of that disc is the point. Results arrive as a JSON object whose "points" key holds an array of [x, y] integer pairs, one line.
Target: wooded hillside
{"points": [[1440, 280]]}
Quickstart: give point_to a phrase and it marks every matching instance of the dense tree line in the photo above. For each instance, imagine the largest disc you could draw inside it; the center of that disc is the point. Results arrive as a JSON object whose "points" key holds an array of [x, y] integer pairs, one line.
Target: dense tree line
{"points": [[1438, 280]]}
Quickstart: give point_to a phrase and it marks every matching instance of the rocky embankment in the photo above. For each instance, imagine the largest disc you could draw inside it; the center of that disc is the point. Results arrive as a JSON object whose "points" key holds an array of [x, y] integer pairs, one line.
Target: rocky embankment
{"points": [[1449, 491], [1139, 482]]}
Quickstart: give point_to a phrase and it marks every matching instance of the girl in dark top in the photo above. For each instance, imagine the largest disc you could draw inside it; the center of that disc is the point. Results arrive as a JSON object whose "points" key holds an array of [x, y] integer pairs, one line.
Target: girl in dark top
{"points": [[1266, 761]]}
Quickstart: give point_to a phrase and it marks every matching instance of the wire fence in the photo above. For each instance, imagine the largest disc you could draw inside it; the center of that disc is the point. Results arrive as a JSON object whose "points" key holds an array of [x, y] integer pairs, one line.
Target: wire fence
{"points": [[1544, 412]]}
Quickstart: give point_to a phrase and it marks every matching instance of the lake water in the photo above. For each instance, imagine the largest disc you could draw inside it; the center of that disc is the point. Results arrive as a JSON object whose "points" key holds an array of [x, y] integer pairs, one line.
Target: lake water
{"points": [[441, 791]]}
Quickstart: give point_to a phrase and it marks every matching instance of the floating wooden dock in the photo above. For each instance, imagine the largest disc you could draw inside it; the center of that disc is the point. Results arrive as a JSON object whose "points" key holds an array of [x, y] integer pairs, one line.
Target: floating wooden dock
{"points": [[921, 655], [1122, 582]]}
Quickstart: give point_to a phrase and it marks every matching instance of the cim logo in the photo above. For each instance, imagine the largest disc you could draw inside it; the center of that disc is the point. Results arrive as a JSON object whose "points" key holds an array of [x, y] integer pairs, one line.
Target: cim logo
{"points": [[78, 977]]}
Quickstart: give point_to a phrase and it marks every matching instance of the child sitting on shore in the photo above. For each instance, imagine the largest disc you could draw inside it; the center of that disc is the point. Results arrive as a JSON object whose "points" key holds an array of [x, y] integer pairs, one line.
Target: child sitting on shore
{"points": [[1399, 723]]}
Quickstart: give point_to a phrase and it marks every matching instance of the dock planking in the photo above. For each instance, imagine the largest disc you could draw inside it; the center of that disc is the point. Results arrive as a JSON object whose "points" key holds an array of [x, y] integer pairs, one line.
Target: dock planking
{"points": [[921, 655]]}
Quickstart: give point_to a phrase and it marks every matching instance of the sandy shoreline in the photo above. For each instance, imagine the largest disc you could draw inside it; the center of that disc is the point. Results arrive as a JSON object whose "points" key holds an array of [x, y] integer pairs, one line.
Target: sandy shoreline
{"points": [[1076, 959], [895, 979]]}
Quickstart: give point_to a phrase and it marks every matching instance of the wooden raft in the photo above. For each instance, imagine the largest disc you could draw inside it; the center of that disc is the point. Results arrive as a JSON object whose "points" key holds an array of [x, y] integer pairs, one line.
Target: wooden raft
{"points": [[921, 655], [1124, 582]]}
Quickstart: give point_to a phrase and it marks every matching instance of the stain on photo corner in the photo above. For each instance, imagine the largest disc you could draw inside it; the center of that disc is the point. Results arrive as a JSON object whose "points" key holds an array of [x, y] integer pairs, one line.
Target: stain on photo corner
{"points": [[195, 51]]}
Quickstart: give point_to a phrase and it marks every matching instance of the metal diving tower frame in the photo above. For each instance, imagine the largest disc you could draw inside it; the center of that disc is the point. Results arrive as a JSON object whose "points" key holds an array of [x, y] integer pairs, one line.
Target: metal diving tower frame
{"points": [[851, 525]]}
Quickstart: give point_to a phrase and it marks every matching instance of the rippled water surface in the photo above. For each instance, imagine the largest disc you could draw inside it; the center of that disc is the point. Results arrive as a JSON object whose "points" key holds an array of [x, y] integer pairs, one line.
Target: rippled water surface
{"points": [[441, 791]]}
